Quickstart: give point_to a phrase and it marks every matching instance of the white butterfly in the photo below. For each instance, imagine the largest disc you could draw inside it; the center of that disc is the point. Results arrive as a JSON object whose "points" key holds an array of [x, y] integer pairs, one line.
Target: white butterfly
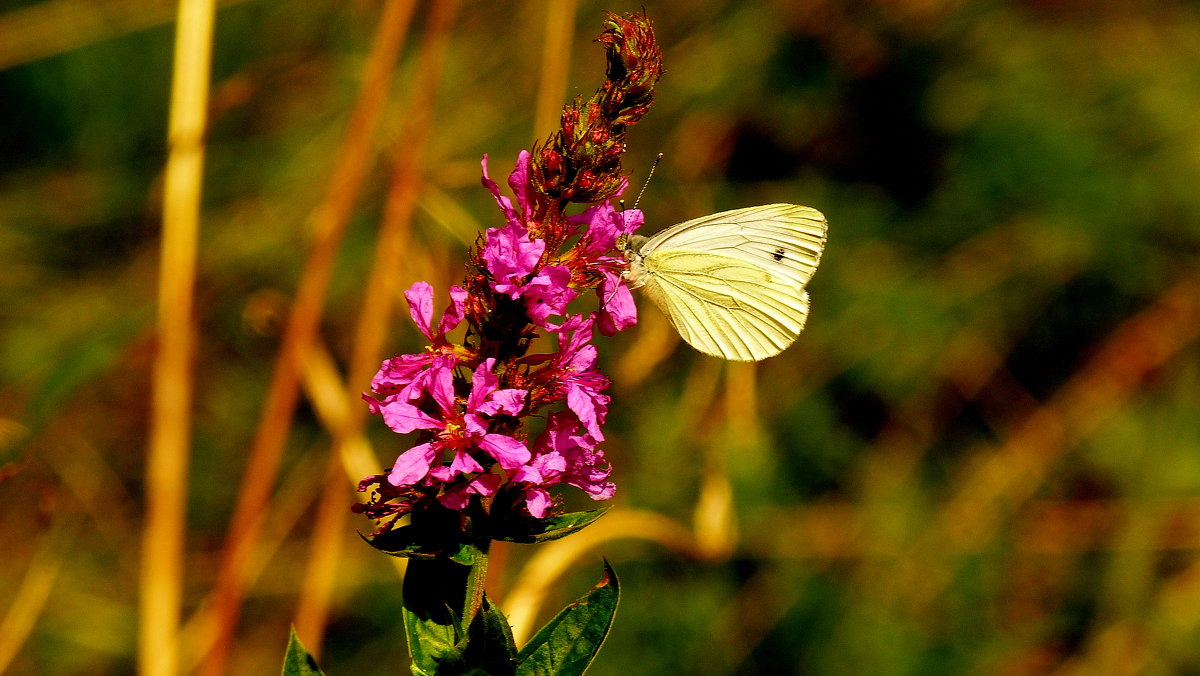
{"points": [[733, 283]]}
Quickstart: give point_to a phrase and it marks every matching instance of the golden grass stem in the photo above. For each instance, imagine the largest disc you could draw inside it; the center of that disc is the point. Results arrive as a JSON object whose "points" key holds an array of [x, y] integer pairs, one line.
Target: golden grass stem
{"points": [[556, 62], [30, 598], [312, 611], [170, 423], [329, 220]]}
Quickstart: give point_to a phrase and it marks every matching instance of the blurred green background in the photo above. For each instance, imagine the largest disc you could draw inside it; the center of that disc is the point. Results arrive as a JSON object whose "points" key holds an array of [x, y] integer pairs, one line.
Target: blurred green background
{"points": [[982, 456]]}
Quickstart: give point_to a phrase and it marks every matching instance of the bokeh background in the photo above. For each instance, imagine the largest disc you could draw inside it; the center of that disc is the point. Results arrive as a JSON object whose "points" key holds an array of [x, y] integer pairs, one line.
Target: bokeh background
{"points": [[982, 456]]}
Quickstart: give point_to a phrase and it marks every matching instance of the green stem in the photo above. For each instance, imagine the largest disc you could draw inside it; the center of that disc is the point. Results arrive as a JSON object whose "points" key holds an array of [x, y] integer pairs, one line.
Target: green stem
{"points": [[476, 580]]}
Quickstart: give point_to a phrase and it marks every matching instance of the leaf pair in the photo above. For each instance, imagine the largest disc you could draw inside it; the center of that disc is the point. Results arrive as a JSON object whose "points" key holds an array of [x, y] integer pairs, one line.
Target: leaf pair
{"points": [[438, 646]]}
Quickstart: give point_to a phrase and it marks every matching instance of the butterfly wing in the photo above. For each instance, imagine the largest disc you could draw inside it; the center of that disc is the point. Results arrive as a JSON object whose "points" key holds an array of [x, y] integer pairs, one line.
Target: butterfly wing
{"points": [[725, 306], [784, 239]]}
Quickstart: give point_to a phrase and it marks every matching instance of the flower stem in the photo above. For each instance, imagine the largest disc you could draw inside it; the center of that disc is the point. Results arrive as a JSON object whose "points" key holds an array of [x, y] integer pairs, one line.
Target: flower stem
{"points": [[476, 581]]}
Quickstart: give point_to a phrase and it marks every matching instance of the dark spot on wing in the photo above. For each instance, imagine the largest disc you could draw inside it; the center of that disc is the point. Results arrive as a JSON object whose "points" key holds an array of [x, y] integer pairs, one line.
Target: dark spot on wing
{"points": [[778, 255]]}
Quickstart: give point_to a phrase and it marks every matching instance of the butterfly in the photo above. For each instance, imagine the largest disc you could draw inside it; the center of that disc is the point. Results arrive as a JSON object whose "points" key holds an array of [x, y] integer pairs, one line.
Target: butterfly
{"points": [[732, 283]]}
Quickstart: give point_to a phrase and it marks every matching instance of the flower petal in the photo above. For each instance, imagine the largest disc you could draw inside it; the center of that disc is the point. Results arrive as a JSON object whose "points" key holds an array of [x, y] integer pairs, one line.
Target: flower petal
{"points": [[631, 219], [537, 501], [420, 306], [581, 359], [549, 293], [455, 497], [441, 387], [455, 312], [518, 181], [510, 255], [461, 463], [599, 491], [508, 402], [404, 418], [503, 202], [589, 405], [617, 309], [412, 465], [486, 484], [483, 383], [475, 425], [527, 474], [604, 226], [372, 403], [399, 371], [507, 451]]}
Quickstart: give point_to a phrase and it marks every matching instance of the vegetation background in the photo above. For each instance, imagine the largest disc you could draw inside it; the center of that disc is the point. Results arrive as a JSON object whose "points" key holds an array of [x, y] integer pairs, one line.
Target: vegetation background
{"points": [[982, 456]]}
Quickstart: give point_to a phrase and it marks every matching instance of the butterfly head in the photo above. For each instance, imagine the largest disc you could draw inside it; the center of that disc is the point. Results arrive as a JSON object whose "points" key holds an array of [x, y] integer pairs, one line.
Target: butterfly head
{"points": [[630, 246]]}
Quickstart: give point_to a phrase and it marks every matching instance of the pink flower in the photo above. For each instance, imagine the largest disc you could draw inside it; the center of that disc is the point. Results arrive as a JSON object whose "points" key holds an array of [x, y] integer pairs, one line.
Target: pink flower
{"points": [[457, 496], [617, 309], [460, 429], [605, 225], [472, 445], [511, 257], [545, 470], [403, 377], [562, 455], [420, 308], [518, 181], [548, 294], [580, 383]]}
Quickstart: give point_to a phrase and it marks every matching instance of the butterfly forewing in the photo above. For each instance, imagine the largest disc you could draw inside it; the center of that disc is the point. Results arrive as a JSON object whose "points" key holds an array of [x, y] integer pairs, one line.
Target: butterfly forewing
{"points": [[785, 239]]}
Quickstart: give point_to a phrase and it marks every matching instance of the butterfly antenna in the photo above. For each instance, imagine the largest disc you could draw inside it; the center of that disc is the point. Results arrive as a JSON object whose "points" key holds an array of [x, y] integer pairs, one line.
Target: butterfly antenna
{"points": [[648, 177]]}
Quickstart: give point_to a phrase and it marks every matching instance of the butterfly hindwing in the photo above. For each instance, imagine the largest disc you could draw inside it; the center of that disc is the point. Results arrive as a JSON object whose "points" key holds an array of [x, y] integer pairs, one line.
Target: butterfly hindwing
{"points": [[725, 306]]}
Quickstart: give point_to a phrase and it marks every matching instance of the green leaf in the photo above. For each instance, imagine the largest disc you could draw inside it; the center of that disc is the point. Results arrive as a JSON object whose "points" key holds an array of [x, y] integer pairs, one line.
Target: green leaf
{"points": [[533, 531], [491, 648], [298, 661], [433, 597], [410, 542], [465, 555], [569, 642]]}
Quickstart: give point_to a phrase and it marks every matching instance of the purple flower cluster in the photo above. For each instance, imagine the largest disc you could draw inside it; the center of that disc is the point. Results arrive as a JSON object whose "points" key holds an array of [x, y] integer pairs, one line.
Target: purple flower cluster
{"points": [[470, 402]]}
